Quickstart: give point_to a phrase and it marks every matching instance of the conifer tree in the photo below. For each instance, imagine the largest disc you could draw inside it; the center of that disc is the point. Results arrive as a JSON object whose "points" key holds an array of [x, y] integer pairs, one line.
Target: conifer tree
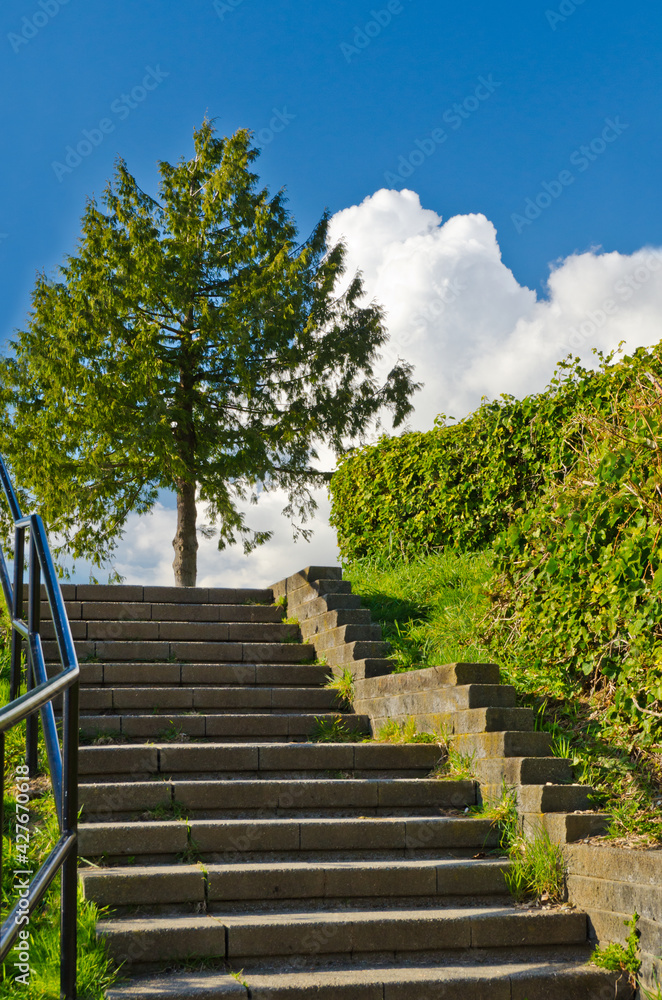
{"points": [[193, 344]]}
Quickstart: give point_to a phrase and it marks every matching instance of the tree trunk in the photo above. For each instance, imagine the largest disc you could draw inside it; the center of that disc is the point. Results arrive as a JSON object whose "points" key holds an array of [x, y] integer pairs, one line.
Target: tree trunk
{"points": [[185, 542]]}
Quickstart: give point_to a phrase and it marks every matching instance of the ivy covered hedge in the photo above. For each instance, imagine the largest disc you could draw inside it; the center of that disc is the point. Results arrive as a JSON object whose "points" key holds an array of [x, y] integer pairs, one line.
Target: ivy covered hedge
{"points": [[461, 485], [566, 488]]}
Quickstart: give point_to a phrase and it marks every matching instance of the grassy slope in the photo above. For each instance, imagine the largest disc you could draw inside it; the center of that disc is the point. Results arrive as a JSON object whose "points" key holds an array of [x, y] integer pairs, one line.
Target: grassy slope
{"points": [[436, 610]]}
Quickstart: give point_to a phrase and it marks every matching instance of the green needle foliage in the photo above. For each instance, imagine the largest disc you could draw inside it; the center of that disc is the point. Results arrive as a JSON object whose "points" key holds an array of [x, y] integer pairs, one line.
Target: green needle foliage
{"points": [[192, 343]]}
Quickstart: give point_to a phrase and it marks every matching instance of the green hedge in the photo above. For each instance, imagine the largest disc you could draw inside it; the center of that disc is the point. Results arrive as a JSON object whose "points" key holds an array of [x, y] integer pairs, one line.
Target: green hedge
{"points": [[460, 485]]}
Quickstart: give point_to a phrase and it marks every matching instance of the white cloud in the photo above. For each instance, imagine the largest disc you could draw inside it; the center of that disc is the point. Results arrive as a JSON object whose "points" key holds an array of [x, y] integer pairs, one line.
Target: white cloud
{"points": [[458, 314]]}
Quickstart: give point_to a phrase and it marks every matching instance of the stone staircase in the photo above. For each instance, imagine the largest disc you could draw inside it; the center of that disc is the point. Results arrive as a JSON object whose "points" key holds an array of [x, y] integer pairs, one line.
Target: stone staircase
{"points": [[224, 841]]}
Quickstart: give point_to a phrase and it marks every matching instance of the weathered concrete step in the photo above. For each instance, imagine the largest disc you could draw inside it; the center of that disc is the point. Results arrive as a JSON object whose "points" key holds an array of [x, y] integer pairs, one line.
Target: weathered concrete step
{"points": [[503, 744], [428, 679], [244, 726], [329, 641], [329, 603], [546, 979], [169, 674], [177, 631], [567, 828], [548, 798], [194, 652], [211, 699], [167, 759], [348, 653], [235, 840], [140, 611], [158, 885], [130, 593], [523, 770], [236, 798], [440, 700], [353, 931], [486, 720], [180, 986], [332, 619]]}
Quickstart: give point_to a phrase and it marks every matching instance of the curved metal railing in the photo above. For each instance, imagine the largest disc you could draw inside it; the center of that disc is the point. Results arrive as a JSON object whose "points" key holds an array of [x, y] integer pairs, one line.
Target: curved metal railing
{"points": [[40, 692]]}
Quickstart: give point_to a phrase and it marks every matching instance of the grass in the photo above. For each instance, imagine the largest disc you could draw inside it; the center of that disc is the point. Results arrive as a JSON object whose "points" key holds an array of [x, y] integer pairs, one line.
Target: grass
{"points": [[333, 731], [618, 958], [429, 608], [406, 732], [343, 685], [435, 610]]}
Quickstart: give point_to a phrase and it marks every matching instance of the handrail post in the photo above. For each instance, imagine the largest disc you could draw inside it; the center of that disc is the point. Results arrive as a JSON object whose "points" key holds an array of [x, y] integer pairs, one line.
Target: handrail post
{"points": [[17, 612], [69, 901], [32, 721]]}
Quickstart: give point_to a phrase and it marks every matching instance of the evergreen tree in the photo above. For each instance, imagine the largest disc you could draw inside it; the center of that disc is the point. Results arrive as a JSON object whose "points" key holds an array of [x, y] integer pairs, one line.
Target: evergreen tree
{"points": [[191, 344]]}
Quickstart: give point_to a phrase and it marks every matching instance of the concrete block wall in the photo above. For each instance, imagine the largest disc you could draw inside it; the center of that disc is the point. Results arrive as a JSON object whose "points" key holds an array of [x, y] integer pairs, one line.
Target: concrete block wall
{"points": [[610, 883]]}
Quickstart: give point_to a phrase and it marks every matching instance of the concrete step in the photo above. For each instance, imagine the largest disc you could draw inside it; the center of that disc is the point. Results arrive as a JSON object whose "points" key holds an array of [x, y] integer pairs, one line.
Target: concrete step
{"points": [[265, 797], [275, 725], [322, 605], [523, 770], [136, 700], [352, 931], [236, 840], [140, 611], [567, 828], [214, 886], [331, 639], [503, 744], [169, 674], [132, 594], [180, 986], [488, 978], [486, 720], [194, 652], [177, 631], [201, 761], [328, 620], [350, 652]]}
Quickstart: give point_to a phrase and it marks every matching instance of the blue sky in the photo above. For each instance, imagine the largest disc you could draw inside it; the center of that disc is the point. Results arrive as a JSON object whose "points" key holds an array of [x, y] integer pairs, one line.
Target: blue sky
{"points": [[356, 111], [478, 108]]}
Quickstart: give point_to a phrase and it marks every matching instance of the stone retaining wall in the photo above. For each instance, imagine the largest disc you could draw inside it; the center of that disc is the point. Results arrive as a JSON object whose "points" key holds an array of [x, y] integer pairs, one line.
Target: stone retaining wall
{"points": [[610, 883]]}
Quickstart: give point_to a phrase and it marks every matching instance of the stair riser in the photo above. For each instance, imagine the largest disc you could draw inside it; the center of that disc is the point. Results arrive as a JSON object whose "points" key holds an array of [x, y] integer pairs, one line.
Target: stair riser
{"points": [[219, 726], [346, 936], [319, 887], [141, 700], [192, 652], [122, 612], [216, 799], [140, 631], [190, 675]]}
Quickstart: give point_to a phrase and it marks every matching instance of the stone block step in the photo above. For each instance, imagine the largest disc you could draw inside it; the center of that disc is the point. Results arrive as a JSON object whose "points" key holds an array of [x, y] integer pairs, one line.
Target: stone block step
{"points": [[247, 726], [328, 620], [352, 931], [130, 593], [177, 631], [486, 720], [503, 744], [523, 770], [136, 700], [140, 611], [180, 986], [428, 679], [216, 885], [439, 701], [266, 797], [195, 652], [199, 761], [322, 605], [486, 979], [236, 840], [346, 654], [190, 675], [331, 639], [567, 828]]}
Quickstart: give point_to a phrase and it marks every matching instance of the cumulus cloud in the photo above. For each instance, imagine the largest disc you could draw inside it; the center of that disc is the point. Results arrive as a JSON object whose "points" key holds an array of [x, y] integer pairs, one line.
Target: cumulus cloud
{"points": [[457, 313]]}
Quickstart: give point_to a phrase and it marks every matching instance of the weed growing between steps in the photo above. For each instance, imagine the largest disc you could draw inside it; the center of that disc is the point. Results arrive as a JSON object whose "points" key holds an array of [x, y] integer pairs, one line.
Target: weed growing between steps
{"points": [[343, 685], [406, 732], [616, 957], [333, 731], [96, 971], [537, 868], [436, 609]]}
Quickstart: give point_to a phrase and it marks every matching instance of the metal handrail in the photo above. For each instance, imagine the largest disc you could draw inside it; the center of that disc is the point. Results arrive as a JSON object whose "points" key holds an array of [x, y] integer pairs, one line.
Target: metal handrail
{"points": [[39, 696]]}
